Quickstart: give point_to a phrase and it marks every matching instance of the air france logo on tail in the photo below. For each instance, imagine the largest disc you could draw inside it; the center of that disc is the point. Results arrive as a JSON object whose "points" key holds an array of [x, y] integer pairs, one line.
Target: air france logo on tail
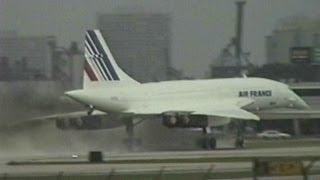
{"points": [[98, 66]]}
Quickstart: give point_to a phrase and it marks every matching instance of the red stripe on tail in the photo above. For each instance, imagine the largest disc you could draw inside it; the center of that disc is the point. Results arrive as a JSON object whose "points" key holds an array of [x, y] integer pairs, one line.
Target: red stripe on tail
{"points": [[90, 72]]}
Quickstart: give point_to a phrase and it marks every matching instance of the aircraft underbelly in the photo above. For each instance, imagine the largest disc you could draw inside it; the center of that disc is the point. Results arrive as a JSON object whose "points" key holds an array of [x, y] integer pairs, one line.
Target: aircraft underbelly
{"points": [[218, 121]]}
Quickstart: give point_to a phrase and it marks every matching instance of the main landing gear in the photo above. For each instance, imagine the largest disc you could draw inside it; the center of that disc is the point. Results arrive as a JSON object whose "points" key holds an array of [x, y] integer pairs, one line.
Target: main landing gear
{"points": [[239, 143], [209, 142], [90, 109], [131, 142]]}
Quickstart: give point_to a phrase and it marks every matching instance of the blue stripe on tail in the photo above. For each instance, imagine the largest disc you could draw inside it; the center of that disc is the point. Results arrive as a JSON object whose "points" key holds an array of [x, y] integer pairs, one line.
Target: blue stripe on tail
{"points": [[97, 58], [97, 44]]}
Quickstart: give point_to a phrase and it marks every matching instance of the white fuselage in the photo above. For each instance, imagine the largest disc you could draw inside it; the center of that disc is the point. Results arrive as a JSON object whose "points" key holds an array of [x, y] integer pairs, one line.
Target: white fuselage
{"points": [[266, 94]]}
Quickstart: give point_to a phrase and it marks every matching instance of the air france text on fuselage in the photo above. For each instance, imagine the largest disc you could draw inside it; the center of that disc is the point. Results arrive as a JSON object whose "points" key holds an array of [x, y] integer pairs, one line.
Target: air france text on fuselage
{"points": [[255, 93]]}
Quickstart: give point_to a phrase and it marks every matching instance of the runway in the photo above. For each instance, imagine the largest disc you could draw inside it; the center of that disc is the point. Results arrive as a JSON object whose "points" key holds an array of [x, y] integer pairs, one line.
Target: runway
{"points": [[270, 152], [42, 165]]}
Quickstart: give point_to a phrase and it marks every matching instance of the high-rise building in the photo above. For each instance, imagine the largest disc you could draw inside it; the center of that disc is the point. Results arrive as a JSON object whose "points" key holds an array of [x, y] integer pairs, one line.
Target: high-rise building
{"points": [[292, 32], [140, 43], [25, 57]]}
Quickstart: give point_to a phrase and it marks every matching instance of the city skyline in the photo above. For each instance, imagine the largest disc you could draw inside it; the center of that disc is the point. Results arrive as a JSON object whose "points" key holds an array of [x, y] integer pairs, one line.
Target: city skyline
{"points": [[199, 29]]}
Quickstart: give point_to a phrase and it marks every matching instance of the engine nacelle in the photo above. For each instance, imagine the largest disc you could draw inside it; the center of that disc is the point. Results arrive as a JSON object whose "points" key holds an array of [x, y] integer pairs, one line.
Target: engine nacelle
{"points": [[193, 121], [63, 124], [94, 122], [76, 122], [218, 121], [184, 121]]}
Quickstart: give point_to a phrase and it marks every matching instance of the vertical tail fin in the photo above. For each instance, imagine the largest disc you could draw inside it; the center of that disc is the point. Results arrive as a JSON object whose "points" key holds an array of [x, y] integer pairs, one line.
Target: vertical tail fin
{"points": [[99, 62]]}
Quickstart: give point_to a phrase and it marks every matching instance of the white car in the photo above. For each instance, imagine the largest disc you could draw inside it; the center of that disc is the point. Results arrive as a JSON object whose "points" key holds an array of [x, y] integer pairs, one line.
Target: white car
{"points": [[273, 134]]}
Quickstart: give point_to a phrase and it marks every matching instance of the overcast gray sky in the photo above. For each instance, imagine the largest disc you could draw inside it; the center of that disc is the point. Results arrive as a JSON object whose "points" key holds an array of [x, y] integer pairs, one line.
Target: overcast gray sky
{"points": [[200, 27]]}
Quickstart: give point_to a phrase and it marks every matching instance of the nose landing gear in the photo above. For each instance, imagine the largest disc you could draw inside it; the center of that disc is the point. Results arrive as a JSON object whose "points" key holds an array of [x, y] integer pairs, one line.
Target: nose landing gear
{"points": [[209, 142]]}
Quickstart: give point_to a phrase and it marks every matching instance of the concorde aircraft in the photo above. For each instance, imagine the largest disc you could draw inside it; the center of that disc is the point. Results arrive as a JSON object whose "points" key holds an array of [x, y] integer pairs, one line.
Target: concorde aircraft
{"points": [[182, 104]]}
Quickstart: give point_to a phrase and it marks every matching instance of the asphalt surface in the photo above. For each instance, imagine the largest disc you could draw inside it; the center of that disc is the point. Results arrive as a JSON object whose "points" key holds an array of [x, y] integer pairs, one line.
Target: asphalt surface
{"points": [[35, 166]]}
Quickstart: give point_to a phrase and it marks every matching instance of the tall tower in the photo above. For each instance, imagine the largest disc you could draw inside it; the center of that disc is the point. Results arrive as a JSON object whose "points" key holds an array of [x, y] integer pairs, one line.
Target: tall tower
{"points": [[238, 39]]}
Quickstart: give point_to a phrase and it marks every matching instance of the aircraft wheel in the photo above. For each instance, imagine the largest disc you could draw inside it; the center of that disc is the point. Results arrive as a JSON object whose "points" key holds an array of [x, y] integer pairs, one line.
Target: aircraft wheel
{"points": [[205, 144], [212, 143], [209, 143], [240, 142]]}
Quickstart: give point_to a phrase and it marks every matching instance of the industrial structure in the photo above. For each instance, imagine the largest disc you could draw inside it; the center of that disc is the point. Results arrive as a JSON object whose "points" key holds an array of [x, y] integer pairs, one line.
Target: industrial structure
{"points": [[295, 39], [232, 61], [23, 57]]}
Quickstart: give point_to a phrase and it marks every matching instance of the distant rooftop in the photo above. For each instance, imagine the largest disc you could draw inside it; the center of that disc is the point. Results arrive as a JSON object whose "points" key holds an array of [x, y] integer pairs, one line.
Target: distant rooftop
{"points": [[305, 85], [298, 22]]}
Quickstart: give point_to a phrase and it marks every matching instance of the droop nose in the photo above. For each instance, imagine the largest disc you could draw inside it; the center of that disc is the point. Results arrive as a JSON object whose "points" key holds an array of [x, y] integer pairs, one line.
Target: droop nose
{"points": [[297, 102], [301, 104]]}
